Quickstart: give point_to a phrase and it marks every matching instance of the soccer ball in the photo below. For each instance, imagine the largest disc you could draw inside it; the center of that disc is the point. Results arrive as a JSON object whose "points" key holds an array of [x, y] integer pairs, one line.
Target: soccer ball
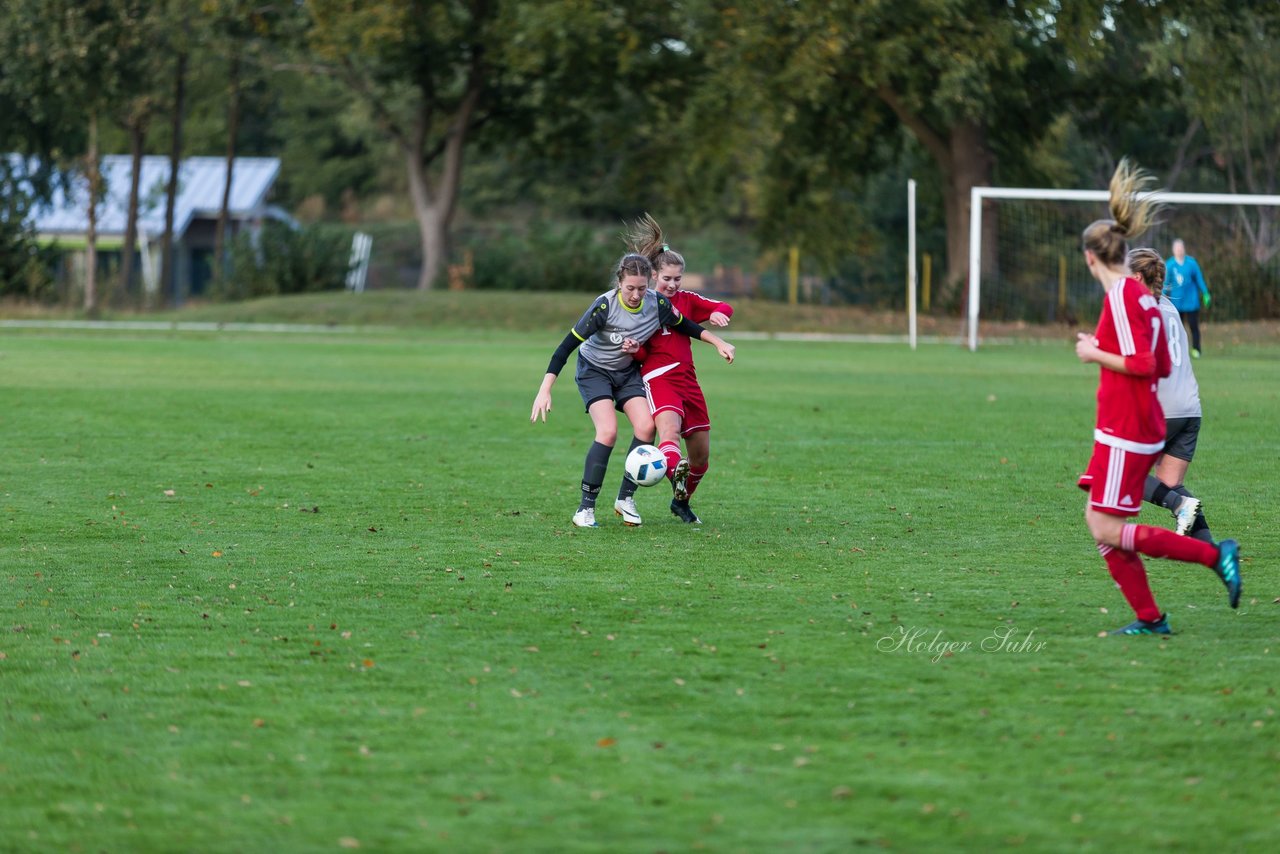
{"points": [[646, 465]]}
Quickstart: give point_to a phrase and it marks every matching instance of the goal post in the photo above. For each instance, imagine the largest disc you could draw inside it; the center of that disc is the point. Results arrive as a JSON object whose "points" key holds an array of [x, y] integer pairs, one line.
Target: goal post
{"points": [[980, 194]]}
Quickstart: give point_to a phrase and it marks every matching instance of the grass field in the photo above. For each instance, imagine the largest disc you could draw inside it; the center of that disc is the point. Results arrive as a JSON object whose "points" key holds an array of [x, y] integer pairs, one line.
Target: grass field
{"points": [[320, 592]]}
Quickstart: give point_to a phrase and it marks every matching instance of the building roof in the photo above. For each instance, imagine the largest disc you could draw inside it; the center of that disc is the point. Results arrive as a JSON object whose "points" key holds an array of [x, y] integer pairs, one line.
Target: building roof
{"points": [[200, 184]]}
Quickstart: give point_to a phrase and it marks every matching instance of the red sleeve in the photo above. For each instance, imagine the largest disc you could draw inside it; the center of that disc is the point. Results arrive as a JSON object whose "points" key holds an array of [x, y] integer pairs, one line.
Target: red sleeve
{"points": [[1142, 364], [699, 308], [641, 354], [1149, 355]]}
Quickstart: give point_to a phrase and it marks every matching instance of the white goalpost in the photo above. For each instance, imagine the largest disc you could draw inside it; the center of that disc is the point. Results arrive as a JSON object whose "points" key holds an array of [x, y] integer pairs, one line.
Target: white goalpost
{"points": [[979, 194]]}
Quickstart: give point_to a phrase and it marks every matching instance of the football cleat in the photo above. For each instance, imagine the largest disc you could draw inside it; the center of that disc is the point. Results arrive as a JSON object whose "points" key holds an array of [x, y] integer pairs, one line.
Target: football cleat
{"points": [[681, 509], [626, 508], [1195, 353], [1186, 513], [1228, 569], [1146, 627], [680, 481], [585, 518]]}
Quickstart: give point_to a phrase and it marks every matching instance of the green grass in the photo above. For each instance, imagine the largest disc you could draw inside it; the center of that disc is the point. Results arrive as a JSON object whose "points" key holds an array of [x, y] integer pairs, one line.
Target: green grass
{"points": [[362, 618]]}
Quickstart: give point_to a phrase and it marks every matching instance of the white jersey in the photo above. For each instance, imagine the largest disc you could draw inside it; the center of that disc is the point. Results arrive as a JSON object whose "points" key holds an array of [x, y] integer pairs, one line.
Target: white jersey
{"points": [[1179, 392]]}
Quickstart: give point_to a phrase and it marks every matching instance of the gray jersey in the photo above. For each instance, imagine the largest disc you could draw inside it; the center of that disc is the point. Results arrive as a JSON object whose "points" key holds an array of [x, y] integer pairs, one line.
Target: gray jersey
{"points": [[608, 321], [1179, 392]]}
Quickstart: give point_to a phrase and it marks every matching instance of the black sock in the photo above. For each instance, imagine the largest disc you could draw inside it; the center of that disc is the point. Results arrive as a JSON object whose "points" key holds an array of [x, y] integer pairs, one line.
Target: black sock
{"points": [[1157, 493], [629, 486], [593, 473], [1200, 527]]}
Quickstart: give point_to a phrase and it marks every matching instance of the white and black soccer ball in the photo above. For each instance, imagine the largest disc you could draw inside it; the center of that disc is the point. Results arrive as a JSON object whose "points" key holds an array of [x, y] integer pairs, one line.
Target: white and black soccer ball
{"points": [[646, 465]]}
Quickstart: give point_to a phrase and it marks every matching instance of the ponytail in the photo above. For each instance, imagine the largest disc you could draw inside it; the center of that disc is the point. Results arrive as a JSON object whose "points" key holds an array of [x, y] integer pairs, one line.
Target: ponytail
{"points": [[644, 237], [1131, 215]]}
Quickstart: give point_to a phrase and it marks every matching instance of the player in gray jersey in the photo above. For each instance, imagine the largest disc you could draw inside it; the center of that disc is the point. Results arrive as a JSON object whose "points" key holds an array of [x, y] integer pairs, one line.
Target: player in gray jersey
{"points": [[609, 379], [1179, 395]]}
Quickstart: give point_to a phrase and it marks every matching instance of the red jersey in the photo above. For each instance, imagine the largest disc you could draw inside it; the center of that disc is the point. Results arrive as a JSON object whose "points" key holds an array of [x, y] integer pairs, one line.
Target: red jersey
{"points": [[1129, 414], [669, 351]]}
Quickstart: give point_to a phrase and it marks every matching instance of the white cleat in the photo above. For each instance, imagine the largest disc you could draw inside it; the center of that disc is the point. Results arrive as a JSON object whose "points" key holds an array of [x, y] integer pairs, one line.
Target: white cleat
{"points": [[680, 480], [1186, 513], [626, 508], [585, 518]]}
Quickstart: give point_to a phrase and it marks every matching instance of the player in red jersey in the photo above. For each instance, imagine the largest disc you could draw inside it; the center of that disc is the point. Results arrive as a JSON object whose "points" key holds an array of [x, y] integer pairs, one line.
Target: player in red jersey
{"points": [[675, 398], [1129, 347]]}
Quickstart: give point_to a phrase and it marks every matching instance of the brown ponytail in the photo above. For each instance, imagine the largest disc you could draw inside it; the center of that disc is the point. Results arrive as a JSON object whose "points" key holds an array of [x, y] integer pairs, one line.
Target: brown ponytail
{"points": [[1148, 266], [644, 237]]}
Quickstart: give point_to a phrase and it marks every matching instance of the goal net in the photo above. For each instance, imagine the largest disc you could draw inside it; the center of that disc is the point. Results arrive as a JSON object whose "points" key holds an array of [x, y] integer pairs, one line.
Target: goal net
{"points": [[1033, 268]]}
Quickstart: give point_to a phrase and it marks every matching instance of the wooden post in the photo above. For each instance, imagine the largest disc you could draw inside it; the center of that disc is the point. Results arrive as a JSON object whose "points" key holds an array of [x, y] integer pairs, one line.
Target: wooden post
{"points": [[793, 276], [926, 280], [1062, 286]]}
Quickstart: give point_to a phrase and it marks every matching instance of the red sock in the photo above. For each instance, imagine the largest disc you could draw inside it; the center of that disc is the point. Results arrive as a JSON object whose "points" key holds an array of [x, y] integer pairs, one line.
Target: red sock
{"points": [[695, 477], [671, 450], [1131, 577], [1160, 542]]}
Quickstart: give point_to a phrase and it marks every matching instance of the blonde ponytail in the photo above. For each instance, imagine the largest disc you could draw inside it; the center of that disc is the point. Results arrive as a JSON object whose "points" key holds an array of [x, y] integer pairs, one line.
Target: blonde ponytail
{"points": [[1131, 215]]}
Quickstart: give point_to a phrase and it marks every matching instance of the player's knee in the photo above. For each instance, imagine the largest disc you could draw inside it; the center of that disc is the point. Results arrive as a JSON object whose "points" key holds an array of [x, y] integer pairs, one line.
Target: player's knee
{"points": [[607, 436]]}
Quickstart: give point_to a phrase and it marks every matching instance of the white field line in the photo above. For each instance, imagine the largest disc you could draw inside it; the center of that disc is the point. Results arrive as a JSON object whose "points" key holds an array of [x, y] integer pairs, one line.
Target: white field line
{"points": [[854, 338], [185, 326], [314, 328]]}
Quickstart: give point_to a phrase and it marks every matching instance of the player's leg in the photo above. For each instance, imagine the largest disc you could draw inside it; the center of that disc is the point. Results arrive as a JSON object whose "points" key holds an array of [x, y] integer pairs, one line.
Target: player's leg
{"points": [[1126, 570], [697, 440], [1125, 476], [605, 421], [1166, 487], [698, 445], [687, 480], [668, 422], [668, 415], [637, 412], [1192, 321]]}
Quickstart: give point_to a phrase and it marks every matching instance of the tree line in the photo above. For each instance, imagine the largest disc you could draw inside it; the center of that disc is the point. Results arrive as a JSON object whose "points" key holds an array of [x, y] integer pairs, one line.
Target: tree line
{"points": [[796, 121]]}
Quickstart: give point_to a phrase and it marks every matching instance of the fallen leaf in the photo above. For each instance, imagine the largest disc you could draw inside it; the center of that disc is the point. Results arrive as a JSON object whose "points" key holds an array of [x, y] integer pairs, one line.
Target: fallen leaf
{"points": [[368, 662], [169, 493], [606, 742], [347, 841], [217, 553]]}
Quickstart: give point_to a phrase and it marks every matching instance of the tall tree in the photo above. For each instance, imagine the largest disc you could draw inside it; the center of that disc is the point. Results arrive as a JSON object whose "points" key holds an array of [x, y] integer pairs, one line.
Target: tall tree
{"points": [[79, 42], [422, 69], [177, 116], [944, 70], [435, 75], [142, 66], [1230, 62]]}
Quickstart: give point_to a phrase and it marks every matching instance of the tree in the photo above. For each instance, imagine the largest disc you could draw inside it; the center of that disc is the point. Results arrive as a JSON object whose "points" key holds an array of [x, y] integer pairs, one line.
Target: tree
{"points": [[948, 71], [1230, 62], [138, 100], [439, 77], [422, 69]]}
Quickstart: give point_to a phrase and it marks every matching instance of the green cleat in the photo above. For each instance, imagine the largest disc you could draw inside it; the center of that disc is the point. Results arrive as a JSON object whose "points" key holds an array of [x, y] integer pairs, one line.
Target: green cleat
{"points": [[1228, 569], [1146, 627]]}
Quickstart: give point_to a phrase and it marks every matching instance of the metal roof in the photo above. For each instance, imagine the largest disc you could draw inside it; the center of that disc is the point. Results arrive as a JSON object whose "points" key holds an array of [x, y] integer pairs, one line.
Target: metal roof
{"points": [[200, 184]]}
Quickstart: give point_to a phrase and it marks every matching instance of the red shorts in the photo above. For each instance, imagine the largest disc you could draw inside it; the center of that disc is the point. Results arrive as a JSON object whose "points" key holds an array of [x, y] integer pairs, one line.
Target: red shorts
{"points": [[676, 391], [1115, 479]]}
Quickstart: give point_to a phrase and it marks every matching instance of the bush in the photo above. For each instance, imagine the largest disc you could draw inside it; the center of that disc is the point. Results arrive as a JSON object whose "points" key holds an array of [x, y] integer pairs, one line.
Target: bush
{"points": [[283, 260], [1243, 289], [541, 257], [25, 267]]}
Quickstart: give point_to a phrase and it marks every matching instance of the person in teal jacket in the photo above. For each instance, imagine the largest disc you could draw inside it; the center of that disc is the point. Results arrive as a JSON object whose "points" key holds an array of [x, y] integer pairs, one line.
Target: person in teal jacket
{"points": [[1186, 288]]}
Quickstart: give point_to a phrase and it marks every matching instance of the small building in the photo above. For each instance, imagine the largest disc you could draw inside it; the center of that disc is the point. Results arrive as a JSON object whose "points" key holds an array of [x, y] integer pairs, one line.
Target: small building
{"points": [[201, 181]]}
